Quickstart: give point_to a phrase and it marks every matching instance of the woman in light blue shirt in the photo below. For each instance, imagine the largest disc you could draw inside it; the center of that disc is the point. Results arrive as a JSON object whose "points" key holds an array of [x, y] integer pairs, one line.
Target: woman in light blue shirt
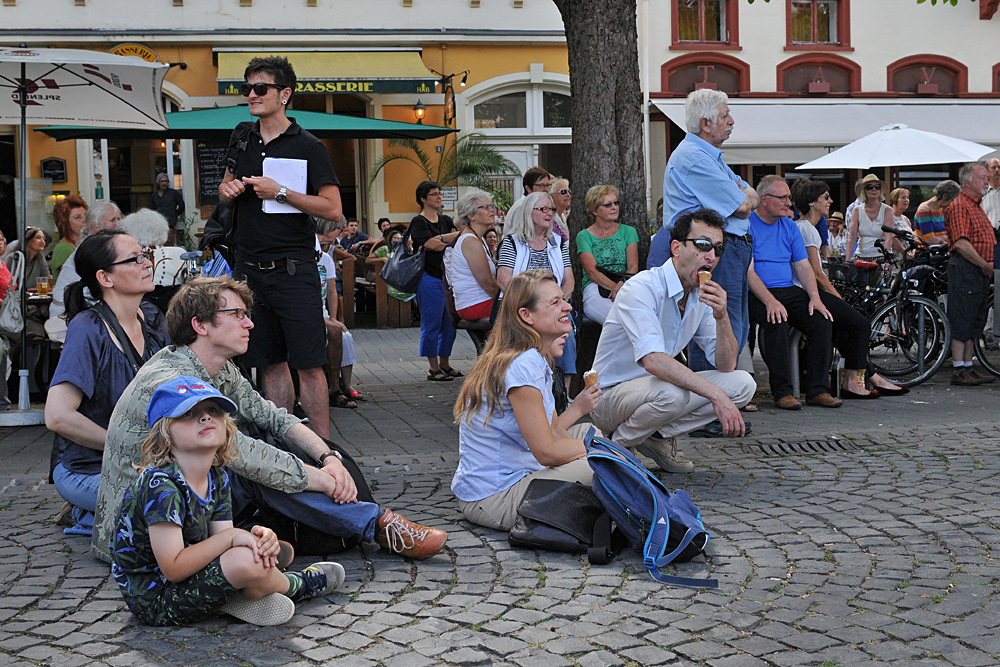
{"points": [[509, 432]]}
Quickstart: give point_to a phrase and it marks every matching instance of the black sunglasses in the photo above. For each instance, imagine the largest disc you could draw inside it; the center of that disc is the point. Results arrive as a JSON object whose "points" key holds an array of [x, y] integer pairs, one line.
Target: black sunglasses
{"points": [[138, 259], [704, 245], [259, 88], [873, 186]]}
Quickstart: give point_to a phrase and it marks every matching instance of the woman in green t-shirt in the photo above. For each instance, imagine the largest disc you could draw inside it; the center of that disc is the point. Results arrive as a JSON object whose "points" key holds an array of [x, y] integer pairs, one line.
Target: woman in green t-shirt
{"points": [[606, 244]]}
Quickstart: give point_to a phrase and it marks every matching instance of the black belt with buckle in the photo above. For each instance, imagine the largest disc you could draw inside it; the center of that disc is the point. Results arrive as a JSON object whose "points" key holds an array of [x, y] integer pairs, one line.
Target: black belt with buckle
{"points": [[267, 266], [745, 237]]}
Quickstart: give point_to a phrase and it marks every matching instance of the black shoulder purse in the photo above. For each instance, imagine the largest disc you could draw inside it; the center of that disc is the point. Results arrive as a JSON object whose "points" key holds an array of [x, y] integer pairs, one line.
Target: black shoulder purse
{"points": [[134, 358]]}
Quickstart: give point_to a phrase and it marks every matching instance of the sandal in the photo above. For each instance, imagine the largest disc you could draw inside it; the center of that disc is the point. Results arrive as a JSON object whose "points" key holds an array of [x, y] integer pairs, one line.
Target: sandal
{"points": [[338, 400], [357, 395], [451, 372], [439, 376]]}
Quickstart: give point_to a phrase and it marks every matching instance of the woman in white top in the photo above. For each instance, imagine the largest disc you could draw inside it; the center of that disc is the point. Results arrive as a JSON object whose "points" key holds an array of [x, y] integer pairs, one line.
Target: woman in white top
{"points": [[867, 219], [472, 275], [851, 329], [509, 432], [530, 243], [899, 200]]}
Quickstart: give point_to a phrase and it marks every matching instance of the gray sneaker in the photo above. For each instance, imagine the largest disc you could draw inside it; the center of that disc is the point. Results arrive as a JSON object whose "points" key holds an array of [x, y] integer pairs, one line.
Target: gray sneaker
{"points": [[665, 453], [273, 609]]}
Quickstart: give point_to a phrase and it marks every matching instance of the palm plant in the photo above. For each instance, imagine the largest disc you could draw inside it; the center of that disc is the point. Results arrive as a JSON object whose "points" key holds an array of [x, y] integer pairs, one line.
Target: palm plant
{"points": [[468, 160]]}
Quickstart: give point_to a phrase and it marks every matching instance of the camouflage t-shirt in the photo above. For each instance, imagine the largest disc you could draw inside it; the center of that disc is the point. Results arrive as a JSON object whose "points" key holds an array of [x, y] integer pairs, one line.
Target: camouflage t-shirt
{"points": [[158, 495]]}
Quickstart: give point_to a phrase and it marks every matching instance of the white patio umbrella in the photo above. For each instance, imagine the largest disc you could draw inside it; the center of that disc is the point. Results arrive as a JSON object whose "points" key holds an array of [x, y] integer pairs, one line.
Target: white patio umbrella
{"points": [[76, 87], [899, 145]]}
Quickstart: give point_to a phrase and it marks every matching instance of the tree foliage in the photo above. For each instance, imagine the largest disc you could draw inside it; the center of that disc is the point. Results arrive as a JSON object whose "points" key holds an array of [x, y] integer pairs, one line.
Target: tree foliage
{"points": [[467, 160]]}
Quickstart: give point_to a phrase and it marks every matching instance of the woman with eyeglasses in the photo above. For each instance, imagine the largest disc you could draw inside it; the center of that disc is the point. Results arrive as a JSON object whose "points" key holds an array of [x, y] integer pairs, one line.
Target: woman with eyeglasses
{"points": [[96, 364], [529, 242], [433, 231], [561, 199], [509, 432], [472, 275], [609, 252], [866, 222], [850, 328]]}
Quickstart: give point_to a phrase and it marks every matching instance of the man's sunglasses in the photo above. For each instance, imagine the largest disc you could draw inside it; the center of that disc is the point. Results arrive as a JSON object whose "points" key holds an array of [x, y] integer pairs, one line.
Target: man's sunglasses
{"points": [[704, 245], [259, 88]]}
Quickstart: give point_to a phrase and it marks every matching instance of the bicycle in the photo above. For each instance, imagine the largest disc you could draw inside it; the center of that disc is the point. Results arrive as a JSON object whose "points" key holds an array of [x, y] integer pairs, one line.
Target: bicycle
{"points": [[910, 334], [987, 346]]}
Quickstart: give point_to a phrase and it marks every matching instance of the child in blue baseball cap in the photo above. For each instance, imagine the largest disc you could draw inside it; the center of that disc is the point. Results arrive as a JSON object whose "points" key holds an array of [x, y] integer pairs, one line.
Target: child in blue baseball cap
{"points": [[176, 556]]}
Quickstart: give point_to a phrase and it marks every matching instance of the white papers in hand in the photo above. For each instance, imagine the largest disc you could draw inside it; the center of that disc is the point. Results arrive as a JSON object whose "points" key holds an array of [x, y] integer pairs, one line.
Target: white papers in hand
{"points": [[288, 172]]}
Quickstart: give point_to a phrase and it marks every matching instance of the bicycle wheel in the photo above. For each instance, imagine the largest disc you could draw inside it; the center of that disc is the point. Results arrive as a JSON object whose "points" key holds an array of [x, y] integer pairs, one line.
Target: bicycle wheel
{"points": [[987, 346], [895, 347]]}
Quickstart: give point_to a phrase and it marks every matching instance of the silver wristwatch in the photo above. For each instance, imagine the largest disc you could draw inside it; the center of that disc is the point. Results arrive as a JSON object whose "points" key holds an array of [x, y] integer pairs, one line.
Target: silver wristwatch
{"points": [[282, 195]]}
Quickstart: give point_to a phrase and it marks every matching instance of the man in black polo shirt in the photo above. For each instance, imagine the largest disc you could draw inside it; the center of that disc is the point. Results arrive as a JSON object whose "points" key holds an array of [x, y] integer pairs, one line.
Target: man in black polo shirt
{"points": [[275, 252]]}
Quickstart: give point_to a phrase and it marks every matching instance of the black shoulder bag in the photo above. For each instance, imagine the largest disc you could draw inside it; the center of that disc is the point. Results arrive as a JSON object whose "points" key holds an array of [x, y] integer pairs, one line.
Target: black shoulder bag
{"points": [[134, 358], [224, 214]]}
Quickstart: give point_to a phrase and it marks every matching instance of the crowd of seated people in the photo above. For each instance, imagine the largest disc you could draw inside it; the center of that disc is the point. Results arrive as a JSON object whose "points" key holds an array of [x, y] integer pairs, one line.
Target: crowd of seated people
{"points": [[510, 431]]}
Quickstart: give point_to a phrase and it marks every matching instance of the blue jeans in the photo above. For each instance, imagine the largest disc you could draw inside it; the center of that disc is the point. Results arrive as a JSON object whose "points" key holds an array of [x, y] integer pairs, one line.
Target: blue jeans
{"points": [[436, 333], [731, 274], [80, 491], [312, 508]]}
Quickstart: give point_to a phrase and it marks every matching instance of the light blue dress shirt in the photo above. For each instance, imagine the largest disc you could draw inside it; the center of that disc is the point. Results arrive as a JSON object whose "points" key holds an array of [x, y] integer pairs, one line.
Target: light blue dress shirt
{"points": [[697, 178], [646, 318], [494, 457]]}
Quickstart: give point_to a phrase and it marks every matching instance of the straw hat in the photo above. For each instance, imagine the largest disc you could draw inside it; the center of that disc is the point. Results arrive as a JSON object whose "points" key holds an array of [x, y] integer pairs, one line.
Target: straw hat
{"points": [[837, 215], [872, 178]]}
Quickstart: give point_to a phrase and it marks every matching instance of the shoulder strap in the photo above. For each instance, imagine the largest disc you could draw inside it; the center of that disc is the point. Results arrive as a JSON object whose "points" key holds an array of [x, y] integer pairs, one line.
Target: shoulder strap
{"points": [[109, 318]]}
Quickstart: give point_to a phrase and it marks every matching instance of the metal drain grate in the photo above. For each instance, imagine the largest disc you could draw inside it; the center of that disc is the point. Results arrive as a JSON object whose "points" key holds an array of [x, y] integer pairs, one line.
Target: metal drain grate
{"points": [[770, 449]]}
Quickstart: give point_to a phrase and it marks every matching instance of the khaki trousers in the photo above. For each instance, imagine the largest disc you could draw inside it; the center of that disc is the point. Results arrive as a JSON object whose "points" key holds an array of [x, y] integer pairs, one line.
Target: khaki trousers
{"points": [[634, 410], [499, 511]]}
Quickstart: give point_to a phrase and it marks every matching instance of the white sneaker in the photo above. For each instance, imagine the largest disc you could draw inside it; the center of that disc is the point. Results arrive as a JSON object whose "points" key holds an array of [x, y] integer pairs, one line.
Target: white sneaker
{"points": [[273, 609], [665, 453]]}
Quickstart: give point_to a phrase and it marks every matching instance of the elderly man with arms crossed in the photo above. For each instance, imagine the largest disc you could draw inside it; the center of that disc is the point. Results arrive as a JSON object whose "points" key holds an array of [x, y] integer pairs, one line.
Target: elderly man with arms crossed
{"points": [[649, 398], [697, 178], [209, 324]]}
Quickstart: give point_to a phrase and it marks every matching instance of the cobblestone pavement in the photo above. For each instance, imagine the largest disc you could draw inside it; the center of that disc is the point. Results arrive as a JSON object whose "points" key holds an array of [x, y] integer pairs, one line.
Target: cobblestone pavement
{"points": [[873, 545]]}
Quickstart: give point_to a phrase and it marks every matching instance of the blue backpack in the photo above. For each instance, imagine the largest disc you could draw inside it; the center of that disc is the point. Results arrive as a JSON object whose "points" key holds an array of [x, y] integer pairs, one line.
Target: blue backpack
{"points": [[665, 527]]}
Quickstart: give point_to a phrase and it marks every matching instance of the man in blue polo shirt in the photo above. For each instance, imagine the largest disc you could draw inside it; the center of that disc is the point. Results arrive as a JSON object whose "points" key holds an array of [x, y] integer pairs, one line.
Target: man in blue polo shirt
{"points": [[776, 304], [697, 178]]}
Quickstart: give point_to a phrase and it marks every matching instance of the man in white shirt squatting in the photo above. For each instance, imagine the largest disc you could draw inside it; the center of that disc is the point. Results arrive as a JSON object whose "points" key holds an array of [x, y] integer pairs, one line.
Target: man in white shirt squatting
{"points": [[649, 398]]}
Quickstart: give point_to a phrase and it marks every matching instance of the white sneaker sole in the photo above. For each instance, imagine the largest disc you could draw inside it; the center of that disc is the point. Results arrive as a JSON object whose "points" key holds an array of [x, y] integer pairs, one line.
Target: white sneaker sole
{"points": [[273, 609]]}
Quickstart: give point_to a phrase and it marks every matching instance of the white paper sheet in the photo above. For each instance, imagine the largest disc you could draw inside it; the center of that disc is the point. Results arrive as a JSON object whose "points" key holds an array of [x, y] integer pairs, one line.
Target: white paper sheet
{"points": [[288, 172]]}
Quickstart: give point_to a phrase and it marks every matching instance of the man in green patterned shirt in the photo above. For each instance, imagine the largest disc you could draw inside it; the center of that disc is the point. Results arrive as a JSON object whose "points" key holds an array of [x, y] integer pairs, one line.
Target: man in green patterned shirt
{"points": [[209, 324]]}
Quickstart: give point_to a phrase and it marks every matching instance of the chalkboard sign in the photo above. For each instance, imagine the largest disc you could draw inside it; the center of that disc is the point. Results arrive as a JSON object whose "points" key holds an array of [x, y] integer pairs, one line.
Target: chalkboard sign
{"points": [[211, 171]]}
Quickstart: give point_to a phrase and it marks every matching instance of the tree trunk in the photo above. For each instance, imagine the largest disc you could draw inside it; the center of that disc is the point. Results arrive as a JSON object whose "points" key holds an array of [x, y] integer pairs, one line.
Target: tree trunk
{"points": [[601, 40]]}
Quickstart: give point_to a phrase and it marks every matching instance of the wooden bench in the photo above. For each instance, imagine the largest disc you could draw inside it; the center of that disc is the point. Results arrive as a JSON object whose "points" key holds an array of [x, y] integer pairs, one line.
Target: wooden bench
{"points": [[390, 312]]}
